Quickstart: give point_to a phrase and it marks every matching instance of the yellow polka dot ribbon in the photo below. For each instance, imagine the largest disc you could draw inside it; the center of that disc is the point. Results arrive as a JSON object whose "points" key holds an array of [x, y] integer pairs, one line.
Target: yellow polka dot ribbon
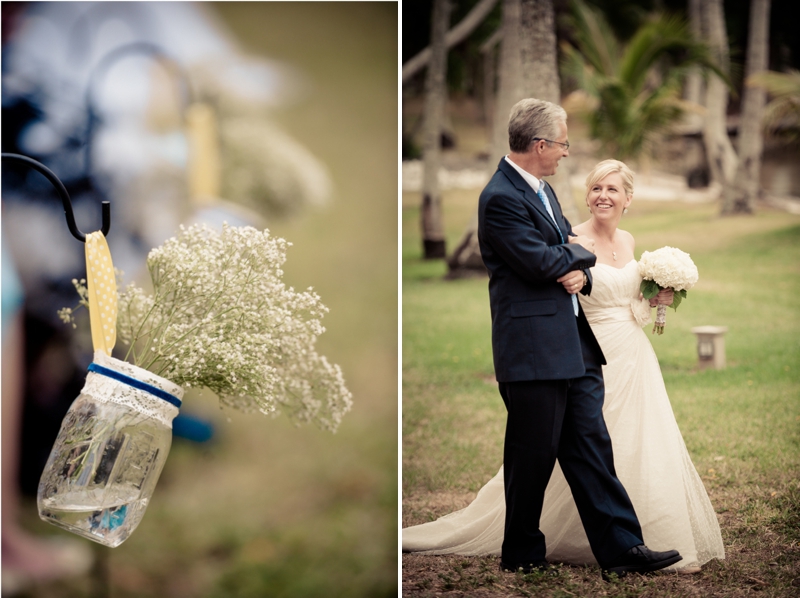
{"points": [[204, 158], [102, 287]]}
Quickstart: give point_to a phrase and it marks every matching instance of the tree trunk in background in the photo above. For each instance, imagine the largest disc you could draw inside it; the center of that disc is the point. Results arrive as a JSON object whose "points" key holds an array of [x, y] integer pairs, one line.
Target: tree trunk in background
{"points": [[740, 194], [693, 91], [540, 79], [455, 36], [719, 150], [433, 241], [528, 68], [538, 49], [489, 53], [466, 259], [510, 82]]}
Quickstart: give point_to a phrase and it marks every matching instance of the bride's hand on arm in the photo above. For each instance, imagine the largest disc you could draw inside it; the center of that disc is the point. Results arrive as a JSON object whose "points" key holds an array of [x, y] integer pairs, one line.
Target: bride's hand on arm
{"points": [[664, 297], [586, 242]]}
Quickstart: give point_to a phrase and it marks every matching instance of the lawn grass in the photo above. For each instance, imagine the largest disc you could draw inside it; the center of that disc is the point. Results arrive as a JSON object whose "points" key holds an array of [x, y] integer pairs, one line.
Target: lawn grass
{"points": [[741, 425]]}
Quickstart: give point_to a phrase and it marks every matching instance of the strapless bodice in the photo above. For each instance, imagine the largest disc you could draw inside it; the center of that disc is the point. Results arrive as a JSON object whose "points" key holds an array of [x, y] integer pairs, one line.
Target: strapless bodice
{"points": [[613, 291]]}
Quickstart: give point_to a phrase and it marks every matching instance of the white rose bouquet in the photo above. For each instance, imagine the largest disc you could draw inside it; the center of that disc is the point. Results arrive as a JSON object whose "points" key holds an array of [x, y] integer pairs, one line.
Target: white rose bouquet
{"points": [[220, 317], [666, 268]]}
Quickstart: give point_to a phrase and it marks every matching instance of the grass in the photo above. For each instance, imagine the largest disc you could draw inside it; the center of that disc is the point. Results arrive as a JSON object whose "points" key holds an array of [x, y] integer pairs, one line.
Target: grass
{"points": [[269, 509], [741, 425]]}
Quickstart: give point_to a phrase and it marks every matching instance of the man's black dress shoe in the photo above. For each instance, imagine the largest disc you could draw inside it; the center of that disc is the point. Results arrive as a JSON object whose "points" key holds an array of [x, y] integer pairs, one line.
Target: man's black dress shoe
{"points": [[526, 567], [640, 559]]}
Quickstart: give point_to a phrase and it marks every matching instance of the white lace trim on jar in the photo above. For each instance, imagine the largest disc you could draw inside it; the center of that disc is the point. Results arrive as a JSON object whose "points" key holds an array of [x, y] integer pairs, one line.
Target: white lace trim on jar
{"points": [[105, 389]]}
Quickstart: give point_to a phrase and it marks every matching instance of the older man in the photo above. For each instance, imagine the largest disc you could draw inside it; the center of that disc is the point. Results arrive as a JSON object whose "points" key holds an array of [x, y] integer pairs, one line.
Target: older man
{"points": [[546, 358]]}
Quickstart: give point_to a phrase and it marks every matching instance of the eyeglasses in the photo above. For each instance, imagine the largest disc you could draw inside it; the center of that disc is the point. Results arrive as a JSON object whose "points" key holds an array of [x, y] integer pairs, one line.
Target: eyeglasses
{"points": [[566, 145]]}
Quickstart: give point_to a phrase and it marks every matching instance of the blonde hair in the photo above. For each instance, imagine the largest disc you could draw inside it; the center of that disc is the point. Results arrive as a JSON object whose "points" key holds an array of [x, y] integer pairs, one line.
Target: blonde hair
{"points": [[607, 167]]}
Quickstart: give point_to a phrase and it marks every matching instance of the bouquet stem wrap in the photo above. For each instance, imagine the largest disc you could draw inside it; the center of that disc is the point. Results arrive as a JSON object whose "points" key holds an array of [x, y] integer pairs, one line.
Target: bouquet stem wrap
{"points": [[661, 319]]}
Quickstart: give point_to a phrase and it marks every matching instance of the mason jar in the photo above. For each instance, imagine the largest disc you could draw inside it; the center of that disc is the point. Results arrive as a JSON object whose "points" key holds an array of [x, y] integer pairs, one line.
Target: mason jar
{"points": [[110, 451]]}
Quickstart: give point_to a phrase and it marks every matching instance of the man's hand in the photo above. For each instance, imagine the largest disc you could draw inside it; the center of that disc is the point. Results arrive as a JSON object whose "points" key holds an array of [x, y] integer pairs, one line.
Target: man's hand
{"points": [[584, 241], [573, 281]]}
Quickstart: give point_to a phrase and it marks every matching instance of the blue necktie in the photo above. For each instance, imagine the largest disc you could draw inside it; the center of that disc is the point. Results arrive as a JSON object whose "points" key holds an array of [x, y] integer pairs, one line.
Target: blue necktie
{"points": [[549, 209]]}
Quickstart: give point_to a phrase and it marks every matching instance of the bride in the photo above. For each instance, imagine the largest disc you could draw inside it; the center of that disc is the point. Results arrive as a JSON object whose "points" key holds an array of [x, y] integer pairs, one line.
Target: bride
{"points": [[650, 456]]}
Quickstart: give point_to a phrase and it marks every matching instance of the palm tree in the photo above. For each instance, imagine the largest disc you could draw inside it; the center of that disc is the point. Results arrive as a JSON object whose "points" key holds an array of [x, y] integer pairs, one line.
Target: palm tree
{"points": [[630, 94], [782, 114]]}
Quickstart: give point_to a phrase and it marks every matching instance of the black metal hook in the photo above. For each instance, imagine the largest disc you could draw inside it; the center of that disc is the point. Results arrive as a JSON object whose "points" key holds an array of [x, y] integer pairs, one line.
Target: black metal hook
{"points": [[62, 192]]}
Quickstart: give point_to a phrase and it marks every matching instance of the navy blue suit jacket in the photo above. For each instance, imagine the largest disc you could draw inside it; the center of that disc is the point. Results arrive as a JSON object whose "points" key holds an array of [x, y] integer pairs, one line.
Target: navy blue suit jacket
{"points": [[535, 334]]}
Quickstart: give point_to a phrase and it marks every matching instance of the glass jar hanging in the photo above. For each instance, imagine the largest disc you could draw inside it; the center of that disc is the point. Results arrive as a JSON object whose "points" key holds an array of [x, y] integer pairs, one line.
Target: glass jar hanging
{"points": [[110, 451]]}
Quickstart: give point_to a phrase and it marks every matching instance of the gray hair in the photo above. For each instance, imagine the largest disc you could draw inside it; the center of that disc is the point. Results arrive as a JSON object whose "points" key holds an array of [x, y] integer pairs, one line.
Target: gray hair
{"points": [[531, 118]]}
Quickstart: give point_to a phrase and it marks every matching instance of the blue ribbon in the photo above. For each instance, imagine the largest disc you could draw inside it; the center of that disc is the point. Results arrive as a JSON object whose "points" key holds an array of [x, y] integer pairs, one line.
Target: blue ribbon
{"points": [[153, 390]]}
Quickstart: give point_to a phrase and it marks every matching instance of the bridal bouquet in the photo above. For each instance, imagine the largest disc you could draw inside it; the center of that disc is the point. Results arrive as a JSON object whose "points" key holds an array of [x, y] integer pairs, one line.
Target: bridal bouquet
{"points": [[220, 317], [666, 268]]}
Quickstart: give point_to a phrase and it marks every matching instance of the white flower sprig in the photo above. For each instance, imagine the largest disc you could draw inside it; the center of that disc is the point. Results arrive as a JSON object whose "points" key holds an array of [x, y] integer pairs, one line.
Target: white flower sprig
{"points": [[666, 268], [221, 318]]}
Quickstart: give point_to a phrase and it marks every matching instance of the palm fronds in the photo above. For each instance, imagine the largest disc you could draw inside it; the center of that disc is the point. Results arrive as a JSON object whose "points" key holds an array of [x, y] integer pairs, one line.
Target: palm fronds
{"points": [[635, 87], [782, 114]]}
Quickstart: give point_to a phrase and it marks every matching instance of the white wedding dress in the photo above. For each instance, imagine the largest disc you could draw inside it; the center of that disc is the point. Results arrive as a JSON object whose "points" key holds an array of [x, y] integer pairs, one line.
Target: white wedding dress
{"points": [[649, 454]]}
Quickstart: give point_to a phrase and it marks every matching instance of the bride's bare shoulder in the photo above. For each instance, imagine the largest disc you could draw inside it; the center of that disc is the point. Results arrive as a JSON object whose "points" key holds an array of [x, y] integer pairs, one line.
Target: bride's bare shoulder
{"points": [[582, 228], [627, 238]]}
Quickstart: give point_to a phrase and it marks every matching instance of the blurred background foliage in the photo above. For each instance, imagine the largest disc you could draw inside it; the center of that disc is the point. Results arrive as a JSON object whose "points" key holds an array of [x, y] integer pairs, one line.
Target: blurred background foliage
{"points": [[674, 87], [622, 21], [623, 16]]}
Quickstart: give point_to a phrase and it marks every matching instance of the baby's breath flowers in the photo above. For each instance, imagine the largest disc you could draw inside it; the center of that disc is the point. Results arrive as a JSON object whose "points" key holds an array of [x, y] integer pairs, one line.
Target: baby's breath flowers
{"points": [[220, 317]]}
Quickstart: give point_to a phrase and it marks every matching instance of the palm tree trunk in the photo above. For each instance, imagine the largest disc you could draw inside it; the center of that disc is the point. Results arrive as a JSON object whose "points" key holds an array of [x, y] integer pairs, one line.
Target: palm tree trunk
{"points": [[433, 241], [489, 52], [528, 68], [540, 79], [740, 195], [510, 83], [693, 91], [719, 150], [538, 47], [465, 260]]}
